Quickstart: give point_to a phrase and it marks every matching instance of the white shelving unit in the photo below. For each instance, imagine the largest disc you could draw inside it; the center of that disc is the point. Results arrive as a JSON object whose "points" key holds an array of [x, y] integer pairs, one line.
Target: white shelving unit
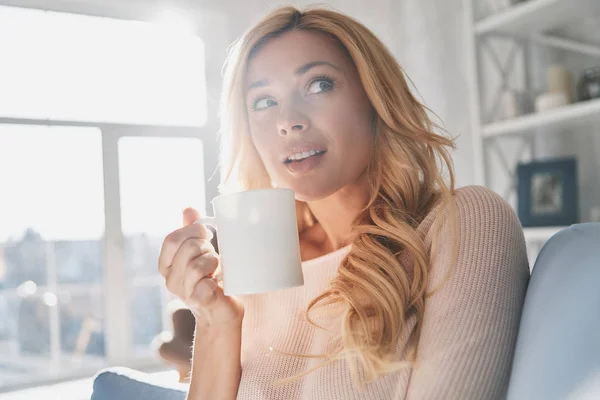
{"points": [[522, 25], [535, 17], [578, 115]]}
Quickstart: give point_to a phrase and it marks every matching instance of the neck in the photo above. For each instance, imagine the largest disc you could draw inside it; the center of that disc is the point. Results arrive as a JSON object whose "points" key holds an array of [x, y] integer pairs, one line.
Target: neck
{"points": [[337, 212]]}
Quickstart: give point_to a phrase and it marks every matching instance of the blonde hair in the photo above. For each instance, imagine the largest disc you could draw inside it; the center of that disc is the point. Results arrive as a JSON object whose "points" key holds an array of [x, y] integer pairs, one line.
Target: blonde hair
{"points": [[375, 293]]}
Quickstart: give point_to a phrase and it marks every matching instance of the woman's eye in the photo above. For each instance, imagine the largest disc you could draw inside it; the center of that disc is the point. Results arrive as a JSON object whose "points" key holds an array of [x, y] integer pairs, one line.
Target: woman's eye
{"points": [[263, 103], [320, 85]]}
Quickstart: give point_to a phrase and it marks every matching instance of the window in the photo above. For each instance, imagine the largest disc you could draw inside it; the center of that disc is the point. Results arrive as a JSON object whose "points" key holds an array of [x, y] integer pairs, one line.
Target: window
{"points": [[75, 67], [100, 122]]}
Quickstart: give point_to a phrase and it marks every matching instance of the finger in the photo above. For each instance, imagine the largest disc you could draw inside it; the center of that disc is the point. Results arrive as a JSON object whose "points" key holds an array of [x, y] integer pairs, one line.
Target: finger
{"points": [[198, 269], [189, 250], [190, 215], [218, 273], [205, 294], [174, 240]]}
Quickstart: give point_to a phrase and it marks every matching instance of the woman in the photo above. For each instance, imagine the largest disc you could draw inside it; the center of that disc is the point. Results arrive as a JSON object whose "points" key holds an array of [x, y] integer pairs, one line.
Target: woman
{"points": [[413, 290]]}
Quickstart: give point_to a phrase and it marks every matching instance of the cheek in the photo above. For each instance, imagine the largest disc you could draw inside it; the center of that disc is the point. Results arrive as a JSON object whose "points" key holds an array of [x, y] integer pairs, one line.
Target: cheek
{"points": [[259, 132], [262, 138], [353, 127], [362, 123]]}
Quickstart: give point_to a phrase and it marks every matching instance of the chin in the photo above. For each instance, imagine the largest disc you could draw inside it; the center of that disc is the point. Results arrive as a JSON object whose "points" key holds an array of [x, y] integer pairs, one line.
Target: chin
{"points": [[312, 191]]}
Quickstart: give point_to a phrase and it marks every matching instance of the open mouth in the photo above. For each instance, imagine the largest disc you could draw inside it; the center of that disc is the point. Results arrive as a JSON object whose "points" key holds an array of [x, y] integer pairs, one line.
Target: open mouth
{"points": [[301, 156]]}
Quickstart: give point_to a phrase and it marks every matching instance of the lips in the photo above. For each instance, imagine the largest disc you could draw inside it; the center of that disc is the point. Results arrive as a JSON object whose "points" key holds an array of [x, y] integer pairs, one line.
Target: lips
{"points": [[302, 152], [297, 157], [305, 165]]}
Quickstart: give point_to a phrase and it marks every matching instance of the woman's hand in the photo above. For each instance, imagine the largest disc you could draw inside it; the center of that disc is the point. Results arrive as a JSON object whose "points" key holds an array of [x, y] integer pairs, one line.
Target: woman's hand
{"points": [[190, 266]]}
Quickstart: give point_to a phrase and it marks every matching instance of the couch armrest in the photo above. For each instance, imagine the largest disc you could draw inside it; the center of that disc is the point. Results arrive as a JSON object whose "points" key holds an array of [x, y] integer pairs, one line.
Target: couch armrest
{"points": [[120, 383]]}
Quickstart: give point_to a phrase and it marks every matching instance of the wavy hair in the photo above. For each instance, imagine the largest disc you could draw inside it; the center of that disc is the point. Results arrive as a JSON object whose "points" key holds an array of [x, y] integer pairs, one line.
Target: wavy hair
{"points": [[374, 292]]}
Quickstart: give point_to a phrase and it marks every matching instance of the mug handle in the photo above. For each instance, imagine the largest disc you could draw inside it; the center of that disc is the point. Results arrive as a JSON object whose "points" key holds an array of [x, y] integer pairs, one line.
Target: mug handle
{"points": [[212, 221], [207, 221]]}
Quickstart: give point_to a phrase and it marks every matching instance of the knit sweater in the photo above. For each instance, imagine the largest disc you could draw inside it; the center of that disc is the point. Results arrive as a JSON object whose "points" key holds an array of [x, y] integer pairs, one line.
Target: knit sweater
{"points": [[469, 326]]}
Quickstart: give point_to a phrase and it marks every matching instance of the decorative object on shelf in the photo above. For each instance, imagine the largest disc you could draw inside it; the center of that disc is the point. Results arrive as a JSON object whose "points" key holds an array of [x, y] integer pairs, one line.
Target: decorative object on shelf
{"points": [[549, 101], [560, 80], [513, 103], [588, 87], [547, 192]]}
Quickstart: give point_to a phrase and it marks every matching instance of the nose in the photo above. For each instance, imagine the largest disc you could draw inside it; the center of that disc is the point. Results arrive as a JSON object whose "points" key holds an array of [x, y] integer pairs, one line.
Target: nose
{"points": [[292, 120]]}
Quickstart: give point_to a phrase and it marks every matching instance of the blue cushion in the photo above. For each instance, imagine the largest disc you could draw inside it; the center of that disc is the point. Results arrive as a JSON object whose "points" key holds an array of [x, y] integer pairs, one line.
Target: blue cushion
{"points": [[557, 355], [121, 383]]}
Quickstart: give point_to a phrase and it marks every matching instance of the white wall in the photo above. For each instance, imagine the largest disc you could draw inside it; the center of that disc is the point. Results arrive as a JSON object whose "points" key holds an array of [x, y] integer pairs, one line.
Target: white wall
{"points": [[430, 45]]}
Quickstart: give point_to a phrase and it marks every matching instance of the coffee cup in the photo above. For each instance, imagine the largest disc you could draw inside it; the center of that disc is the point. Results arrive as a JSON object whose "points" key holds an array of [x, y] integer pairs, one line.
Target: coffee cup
{"points": [[257, 236]]}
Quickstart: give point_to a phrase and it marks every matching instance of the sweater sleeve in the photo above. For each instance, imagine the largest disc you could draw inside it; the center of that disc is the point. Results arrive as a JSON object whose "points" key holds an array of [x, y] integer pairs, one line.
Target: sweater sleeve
{"points": [[471, 321]]}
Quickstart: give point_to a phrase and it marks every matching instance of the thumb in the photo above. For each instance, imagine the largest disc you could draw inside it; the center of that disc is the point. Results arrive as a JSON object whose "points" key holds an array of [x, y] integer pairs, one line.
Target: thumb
{"points": [[190, 215]]}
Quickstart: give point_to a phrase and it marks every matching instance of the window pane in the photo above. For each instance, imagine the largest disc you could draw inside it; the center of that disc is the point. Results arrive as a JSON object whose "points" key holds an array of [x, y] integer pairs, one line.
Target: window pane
{"points": [[147, 311], [52, 182], [82, 323], [24, 260], [141, 253], [51, 233], [24, 338], [76, 67], [159, 177], [79, 261]]}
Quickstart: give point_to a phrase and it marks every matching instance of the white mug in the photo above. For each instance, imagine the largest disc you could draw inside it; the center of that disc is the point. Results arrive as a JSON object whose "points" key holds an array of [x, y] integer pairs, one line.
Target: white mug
{"points": [[257, 234]]}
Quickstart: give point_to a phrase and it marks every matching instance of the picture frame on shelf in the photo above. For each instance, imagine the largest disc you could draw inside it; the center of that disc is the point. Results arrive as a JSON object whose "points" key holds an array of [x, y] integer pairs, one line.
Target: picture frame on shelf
{"points": [[547, 193]]}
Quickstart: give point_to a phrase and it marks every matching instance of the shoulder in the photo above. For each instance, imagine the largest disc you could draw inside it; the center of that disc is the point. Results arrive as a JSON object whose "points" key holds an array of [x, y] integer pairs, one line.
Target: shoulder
{"points": [[481, 233], [472, 198], [477, 210], [484, 218], [481, 211]]}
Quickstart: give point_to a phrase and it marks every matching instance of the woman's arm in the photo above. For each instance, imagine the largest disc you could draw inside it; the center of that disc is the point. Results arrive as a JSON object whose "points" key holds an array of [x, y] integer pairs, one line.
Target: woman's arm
{"points": [[216, 368], [471, 322]]}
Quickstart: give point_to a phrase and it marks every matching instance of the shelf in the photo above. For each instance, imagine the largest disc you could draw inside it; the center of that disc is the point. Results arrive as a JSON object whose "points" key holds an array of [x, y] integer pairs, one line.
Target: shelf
{"points": [[536, 16], [541, 234], [577, 115]]}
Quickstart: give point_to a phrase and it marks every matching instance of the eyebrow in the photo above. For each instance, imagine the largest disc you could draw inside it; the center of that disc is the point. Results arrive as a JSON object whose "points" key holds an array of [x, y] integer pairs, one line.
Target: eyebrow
{"points": [[307, 67], [299, 71]]}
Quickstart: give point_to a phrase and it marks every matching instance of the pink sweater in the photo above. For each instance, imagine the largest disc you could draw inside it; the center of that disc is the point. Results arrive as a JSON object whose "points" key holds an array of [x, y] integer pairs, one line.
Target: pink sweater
{"points": [[469, 329]]}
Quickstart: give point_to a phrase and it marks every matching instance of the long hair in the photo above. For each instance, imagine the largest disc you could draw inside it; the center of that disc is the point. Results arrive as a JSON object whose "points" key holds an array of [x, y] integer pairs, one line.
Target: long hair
{"points": [[374, 292]]}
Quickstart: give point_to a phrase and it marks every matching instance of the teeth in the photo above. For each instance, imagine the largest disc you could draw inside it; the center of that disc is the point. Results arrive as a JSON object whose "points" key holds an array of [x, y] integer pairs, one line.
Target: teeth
{"points": [[303, 155]]}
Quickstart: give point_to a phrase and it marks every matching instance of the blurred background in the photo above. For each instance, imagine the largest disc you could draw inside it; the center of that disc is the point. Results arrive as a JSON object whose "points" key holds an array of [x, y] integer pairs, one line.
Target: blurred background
{"points": [[108, 129]]}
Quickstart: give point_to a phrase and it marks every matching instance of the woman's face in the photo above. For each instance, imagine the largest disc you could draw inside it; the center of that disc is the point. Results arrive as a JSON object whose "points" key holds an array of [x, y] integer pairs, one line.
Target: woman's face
{"points": [[310, 118]]}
